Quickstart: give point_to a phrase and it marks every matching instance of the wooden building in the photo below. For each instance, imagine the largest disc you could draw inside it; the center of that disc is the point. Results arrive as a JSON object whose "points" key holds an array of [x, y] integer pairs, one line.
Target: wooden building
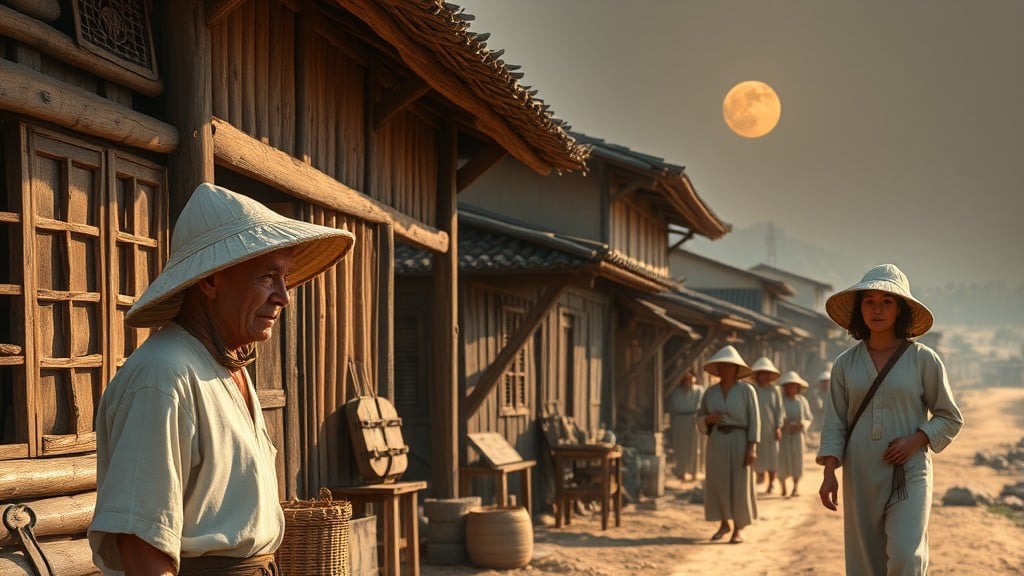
{"points": [[367, 115], [764, 299], [583, 339]]}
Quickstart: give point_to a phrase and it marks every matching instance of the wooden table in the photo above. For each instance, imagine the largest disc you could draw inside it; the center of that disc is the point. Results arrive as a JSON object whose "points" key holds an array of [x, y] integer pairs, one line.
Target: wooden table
{"points": [[399, 505], [500, 475], [606, 485]]}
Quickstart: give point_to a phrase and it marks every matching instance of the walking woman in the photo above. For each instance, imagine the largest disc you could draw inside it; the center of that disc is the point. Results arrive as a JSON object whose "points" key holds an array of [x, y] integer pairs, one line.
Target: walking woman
{"points": [[769, 401], [887, 469], [795, 423], [729, 416]]}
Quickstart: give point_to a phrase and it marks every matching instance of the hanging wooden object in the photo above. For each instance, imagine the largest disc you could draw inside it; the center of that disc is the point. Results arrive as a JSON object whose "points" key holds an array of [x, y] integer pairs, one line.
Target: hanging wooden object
{"points": [[376, 430]]}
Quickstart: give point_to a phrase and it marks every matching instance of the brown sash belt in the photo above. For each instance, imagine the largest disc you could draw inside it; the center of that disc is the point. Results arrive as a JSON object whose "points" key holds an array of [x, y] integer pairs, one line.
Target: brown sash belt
{"points": [[727, 429], [263, 565]]}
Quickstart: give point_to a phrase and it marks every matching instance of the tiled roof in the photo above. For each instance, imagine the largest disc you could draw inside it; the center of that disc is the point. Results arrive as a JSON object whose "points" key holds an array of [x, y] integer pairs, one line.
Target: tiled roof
{"points": [[433, 38], [490, 243], [675, 195]]}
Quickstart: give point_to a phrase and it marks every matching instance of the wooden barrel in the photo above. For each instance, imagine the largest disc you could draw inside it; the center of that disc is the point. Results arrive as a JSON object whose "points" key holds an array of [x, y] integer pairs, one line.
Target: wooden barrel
{"points": [[499, 537]]}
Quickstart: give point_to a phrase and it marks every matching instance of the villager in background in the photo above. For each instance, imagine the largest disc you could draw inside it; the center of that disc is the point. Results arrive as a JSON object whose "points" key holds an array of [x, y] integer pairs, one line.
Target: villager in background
{"points": [[185, 466], [683, 403], [729, 416], [769, 402], [796, 421], [887, 469], [816, 399]]}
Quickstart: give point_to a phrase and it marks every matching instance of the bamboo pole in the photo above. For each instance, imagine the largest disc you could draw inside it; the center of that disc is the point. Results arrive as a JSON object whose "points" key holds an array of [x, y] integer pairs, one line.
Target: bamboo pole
{"points": [[271, 166], [28, 30], [28, 92], [21, 479], [56, 516]]}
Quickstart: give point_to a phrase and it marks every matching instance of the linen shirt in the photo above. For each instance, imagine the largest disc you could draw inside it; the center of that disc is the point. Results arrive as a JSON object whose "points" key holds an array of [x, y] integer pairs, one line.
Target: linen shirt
{"points": [[181, 463]]}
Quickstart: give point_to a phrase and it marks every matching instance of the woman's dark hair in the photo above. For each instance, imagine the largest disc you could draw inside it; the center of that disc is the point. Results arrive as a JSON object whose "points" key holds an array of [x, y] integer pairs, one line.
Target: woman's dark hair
{"points": [[859, 330]]}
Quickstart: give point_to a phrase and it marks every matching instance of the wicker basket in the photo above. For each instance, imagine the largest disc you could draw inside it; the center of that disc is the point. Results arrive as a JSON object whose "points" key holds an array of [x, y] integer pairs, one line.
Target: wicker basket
{"points": [[316, 537]]}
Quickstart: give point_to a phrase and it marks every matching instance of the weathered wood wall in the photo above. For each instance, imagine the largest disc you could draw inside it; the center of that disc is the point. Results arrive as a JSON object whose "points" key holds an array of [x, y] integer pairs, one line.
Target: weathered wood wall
{"points": [[640, 234]]}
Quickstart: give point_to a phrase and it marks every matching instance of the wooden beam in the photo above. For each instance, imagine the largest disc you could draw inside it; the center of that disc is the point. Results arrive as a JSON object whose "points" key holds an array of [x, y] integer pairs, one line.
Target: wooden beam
{"points": [[25, 91], [250, 157], [60, 515], [65, 557], [444, 390], [633, 186], [479, 164], [487, 382], [386, 311], [397, 99], [189, 98], [27, 30], [218, 9], [43, 477], [648, 354], [447, 83]]}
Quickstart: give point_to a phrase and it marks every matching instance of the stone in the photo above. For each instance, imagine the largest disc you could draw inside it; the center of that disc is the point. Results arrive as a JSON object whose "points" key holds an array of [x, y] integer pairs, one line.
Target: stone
{"points": [[960, 496]]}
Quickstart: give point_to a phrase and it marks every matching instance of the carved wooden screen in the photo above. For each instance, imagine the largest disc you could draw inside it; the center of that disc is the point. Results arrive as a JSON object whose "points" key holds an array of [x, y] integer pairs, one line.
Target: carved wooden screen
{"points": [[92, 226]]}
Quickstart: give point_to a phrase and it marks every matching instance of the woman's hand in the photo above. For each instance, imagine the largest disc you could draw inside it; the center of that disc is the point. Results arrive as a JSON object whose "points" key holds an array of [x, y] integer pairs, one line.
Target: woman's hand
{"points": [[713, 418], [829, 491], [751, 455], [901, 449], [778, 433]]}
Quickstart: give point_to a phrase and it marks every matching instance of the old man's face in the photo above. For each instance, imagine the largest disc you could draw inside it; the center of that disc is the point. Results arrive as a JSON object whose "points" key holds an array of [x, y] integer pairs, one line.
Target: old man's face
{"points": [[247, 298]]}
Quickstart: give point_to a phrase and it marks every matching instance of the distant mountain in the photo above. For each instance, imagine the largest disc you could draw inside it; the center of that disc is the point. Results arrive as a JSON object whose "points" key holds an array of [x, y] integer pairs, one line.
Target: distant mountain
{"points": [[987, 304], [747, 247]]}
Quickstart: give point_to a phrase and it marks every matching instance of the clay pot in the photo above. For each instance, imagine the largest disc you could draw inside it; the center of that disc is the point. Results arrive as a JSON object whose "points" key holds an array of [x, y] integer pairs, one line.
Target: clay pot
{"points": [[499, 537]]}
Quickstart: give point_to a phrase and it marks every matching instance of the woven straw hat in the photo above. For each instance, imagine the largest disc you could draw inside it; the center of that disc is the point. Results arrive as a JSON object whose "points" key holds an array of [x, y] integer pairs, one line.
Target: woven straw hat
{"points": [[764, 364], [825, 375], [887, 278], [219, 228], [727, 355], [792, 376]]}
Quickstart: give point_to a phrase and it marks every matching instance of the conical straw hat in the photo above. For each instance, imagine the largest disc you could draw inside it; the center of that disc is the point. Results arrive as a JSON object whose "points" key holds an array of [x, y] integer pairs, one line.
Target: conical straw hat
{"points": [[887, 278], [727, 355], [219, 228], [792, 376], [764, 364]]}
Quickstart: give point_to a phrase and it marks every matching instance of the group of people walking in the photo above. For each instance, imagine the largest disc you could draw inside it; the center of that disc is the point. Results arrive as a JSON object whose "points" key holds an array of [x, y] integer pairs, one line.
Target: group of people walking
{"points": [[756, 431]]}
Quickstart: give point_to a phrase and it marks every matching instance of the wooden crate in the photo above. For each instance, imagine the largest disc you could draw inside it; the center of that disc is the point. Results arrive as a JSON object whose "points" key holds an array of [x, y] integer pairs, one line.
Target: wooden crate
{"points": [[363, 546]]}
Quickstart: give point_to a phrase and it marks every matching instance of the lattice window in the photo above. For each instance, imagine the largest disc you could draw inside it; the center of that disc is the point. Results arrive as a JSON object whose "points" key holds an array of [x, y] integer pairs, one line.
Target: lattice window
{"points": [[410, 362], [513, 398], [117, 30], [91, 228]]}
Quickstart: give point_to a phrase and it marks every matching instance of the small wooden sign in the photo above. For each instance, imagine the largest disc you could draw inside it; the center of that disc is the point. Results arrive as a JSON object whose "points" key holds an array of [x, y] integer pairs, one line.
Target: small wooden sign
{"points": [[494, 448]]}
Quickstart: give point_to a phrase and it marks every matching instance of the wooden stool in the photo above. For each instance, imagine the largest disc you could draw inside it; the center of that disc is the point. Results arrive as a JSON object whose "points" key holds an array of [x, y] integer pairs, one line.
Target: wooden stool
{"points": [[398, 513], [500, 475], [605, 485]]}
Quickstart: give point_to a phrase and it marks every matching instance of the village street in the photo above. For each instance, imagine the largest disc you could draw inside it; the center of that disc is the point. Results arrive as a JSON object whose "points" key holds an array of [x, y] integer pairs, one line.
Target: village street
{"points": [[798, 536]]}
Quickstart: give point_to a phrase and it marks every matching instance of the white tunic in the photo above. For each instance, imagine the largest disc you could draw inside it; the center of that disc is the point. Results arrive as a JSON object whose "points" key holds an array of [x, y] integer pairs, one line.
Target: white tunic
{"points": [[729, 484], [683, 405], [769, 401], [180, 462], [915, 395], [791, 447]]}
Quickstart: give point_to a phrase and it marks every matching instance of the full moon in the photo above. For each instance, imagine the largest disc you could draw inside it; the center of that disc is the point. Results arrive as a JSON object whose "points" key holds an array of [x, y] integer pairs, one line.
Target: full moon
{"points": [[751, 109]]}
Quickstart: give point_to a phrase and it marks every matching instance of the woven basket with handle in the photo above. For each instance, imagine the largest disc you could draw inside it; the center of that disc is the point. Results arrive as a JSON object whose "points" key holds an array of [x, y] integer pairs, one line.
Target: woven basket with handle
{"points": [[316, 537]]}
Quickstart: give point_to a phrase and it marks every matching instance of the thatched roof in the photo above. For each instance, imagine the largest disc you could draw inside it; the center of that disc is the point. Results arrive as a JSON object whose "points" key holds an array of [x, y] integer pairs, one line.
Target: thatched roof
{"points": [[434, 40]]}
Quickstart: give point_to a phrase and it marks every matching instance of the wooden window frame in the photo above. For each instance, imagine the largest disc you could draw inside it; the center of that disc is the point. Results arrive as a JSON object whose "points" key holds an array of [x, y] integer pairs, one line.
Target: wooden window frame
{"points": [[513, 400]]}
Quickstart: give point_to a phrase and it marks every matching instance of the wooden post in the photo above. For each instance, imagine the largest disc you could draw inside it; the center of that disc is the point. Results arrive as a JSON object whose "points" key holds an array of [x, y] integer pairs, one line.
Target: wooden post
{"points": [[386, 311], [188, 97], [444, 405]]}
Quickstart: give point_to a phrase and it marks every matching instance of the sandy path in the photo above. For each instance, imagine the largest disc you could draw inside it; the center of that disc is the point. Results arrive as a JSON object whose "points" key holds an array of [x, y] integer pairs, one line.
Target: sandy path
{"points": [[797, 535]]}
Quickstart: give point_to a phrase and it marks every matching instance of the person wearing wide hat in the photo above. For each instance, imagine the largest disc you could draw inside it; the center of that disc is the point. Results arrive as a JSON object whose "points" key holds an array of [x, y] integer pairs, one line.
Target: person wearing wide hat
{"points": [[884, 455], [683, 403], [796, 421], [729, 416], [769, 402], [186, 480]]}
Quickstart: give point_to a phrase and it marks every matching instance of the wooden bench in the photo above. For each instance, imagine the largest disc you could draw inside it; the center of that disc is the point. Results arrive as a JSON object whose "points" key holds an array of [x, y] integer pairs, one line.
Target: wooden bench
{"points": [[398, 514], [499, 474]]}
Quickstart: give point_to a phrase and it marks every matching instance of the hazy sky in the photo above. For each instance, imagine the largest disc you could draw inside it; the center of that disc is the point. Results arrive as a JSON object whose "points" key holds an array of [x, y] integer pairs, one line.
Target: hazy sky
{"points": [[900, 136]]}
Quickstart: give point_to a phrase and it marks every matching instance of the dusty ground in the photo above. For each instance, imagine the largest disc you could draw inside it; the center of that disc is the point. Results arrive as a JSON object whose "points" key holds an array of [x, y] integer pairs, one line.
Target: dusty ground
{"points": [[797, 535]]}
